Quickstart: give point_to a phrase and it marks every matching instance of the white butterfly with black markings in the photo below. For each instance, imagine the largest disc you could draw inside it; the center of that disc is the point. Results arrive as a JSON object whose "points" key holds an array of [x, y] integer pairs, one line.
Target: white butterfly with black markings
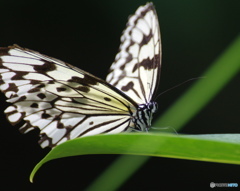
{"points": [[65, 102]]}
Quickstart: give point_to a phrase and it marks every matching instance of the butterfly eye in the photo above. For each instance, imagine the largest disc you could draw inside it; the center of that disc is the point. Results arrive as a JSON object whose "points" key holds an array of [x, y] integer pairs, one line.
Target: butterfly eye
{"points": [[152, 107]]}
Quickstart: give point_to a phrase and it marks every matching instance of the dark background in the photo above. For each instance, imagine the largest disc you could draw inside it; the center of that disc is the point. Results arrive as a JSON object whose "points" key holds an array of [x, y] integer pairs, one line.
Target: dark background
{"points": [[86, 34]]}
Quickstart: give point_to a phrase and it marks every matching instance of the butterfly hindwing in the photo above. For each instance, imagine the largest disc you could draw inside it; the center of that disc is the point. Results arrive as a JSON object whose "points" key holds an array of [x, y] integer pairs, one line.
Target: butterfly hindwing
{"points": [[136, 69]]}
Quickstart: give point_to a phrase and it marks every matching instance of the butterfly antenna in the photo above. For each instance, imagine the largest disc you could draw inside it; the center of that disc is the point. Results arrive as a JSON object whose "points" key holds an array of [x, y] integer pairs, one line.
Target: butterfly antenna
{"points": [[178, 86]]}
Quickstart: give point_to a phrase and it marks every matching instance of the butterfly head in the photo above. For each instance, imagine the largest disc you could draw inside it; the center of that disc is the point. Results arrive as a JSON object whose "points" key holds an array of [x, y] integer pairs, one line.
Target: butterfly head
{"points": [[144, 115]]}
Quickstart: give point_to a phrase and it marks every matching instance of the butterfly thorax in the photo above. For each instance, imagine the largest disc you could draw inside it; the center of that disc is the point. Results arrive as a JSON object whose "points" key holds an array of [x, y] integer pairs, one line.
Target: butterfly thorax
{"points": [[143, 118]]}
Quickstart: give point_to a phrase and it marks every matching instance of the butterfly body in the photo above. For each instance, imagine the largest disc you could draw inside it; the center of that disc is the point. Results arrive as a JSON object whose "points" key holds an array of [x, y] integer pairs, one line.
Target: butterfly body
{"points": [[143, 118], [65, 102]]}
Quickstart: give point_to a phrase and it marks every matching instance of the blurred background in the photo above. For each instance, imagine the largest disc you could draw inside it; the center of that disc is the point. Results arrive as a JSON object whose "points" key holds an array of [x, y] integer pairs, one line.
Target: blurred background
{"points": [[87, 35]]}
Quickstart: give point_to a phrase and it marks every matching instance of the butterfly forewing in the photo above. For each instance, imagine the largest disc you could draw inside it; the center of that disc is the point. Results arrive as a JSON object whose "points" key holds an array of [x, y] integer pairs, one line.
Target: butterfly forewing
{"points": [[63, 101], [136, 69]]}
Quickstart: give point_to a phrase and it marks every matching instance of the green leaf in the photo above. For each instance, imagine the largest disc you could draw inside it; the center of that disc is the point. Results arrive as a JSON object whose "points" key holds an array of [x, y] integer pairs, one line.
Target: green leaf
{"points": [[213, 148]]}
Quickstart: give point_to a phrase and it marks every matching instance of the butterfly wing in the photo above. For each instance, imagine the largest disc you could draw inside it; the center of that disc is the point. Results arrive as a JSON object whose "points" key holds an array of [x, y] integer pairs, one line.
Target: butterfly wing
{"points": [[136, 69], [61, 100]]}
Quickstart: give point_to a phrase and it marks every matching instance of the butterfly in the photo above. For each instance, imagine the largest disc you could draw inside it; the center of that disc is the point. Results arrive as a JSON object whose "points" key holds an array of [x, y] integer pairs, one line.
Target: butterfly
{"points": [[65, 102]]}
